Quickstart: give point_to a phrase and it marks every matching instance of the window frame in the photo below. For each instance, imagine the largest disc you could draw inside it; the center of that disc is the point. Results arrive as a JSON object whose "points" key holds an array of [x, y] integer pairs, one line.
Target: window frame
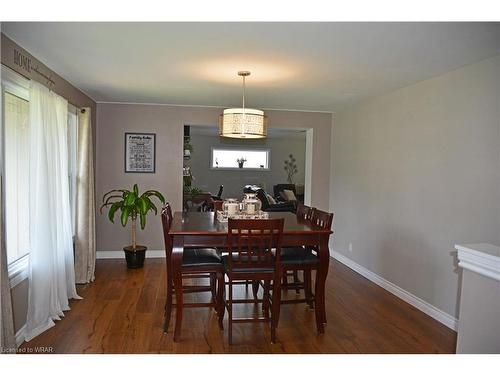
{"points": [[17, 85], [267, 150]]}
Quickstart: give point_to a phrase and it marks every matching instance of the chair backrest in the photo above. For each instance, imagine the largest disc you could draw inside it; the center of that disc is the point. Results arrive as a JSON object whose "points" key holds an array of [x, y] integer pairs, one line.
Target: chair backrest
{"points": [[219, 193], [250, 243], [166, 220], [322, 219], [304, 213]]}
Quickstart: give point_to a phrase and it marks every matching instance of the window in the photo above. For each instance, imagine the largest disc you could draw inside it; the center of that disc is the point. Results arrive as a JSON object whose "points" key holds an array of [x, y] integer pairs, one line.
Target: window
{"points": [[225, 158], [15, 120], [16, 112]]}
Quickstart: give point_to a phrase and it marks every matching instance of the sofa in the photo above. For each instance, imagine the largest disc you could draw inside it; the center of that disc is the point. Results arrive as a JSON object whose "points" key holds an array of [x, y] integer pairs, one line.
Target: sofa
{"points": [[267, 206]]}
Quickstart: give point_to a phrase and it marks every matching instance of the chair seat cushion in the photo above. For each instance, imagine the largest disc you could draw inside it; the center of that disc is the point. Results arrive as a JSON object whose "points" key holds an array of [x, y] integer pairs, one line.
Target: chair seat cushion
{"points": [[297, 255], [245, 269], [201, 257]]}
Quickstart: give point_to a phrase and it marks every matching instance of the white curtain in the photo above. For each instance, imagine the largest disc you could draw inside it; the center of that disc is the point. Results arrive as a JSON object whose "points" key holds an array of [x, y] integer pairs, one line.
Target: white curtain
{"points": [[51, 275], [7, 338], [85, 202]]}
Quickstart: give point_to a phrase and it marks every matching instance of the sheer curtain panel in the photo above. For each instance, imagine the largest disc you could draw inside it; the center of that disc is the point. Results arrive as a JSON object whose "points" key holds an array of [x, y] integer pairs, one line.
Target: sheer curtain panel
{"points": [[85, 202], [7, 338], [51, 273]]}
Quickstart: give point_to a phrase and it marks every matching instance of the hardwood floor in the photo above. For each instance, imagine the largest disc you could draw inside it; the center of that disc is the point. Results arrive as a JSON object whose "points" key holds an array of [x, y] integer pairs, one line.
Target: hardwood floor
{"points": [[122, 312]]}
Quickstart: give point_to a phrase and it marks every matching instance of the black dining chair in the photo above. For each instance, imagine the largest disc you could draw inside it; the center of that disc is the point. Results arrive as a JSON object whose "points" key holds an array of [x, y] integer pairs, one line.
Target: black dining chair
{"points": [[304, 259], [304, 214], [204, 263]]}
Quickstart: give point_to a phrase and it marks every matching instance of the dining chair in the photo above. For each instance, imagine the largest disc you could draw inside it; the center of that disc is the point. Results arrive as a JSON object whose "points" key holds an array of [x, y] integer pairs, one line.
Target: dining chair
{"points": [[305, 259], [250, 257], [218, 206], [197, 263], [304, 214]]}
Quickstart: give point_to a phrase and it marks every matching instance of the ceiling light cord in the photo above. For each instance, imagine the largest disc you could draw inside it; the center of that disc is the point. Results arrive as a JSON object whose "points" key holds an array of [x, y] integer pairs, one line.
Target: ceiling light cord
{"points": [[243, 94]]}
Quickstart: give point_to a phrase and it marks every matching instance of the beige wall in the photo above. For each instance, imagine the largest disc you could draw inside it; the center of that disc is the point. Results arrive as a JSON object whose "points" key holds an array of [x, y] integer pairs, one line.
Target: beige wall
{"points": [[415, 172], [167, 122]]}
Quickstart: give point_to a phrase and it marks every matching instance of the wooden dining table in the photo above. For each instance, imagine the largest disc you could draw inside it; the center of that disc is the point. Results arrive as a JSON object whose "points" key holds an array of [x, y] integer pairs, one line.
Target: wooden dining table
{"points": [[202, 229]]}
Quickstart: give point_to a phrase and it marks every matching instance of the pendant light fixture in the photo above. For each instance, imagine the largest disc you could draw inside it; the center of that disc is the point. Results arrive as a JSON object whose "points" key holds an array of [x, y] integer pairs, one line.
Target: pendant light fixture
{"points": [[243, 122]]}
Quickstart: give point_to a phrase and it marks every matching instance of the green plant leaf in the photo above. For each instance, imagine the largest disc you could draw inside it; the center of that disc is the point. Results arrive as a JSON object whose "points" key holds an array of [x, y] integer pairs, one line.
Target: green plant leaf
{"points": [[124, 216], [112, 191], [142, 219], [111, 197], [143, 205], [112, 210], [136, 190], [151, 206], [130, 199], [105, 205], [157, 194]]}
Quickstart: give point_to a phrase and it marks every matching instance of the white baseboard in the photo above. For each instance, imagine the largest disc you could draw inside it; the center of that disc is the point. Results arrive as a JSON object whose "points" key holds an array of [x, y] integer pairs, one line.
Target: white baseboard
{"points": [[119, 254], [425, 307], [20, 335]]}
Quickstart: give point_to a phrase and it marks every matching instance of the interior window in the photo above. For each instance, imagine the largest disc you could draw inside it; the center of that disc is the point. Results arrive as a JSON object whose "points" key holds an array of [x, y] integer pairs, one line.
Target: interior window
{"points": [[240, 159]]}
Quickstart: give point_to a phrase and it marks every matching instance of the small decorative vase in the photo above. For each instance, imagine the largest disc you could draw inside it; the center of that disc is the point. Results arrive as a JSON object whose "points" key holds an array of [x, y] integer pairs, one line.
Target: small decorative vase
{"points": [[240, 165], [251, 204], [230, 207]]}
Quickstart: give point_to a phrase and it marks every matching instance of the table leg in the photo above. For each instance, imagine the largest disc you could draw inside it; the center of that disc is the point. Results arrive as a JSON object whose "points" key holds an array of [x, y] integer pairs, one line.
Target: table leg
{"points": [[321, 274], [177, 252]]}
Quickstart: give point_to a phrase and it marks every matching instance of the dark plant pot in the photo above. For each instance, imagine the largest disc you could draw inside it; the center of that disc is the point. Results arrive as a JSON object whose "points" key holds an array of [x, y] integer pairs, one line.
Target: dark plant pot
{"points": [[135, 259], [240, 165]]}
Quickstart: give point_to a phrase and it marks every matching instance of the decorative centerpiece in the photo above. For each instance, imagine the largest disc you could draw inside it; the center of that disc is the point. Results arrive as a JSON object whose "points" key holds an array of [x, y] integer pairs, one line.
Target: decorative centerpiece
{"points": [[249, 208], [230, 207], [251, 204]]}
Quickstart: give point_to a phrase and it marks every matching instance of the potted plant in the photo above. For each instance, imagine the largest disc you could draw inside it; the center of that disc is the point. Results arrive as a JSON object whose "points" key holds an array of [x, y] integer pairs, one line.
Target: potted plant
{"points": [[192, 191], [131, 205], [240, 162]]}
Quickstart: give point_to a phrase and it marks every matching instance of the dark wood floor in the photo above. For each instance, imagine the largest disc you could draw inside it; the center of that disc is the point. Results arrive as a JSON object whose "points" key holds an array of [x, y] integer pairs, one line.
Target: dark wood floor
{"points": [[122, 312]]}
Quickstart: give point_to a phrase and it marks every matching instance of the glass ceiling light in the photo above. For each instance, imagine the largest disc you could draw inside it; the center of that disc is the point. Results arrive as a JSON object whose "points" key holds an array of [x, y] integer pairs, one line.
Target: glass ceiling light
{"points": [[243, 122]]}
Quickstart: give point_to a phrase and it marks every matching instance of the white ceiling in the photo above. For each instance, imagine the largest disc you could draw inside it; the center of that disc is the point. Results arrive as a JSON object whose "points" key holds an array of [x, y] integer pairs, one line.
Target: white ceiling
{"points": [[303, 66]]}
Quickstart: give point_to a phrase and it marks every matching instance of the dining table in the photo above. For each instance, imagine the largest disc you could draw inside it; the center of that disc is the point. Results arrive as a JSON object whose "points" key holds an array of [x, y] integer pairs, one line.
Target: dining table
{"points": [[202, 229]]}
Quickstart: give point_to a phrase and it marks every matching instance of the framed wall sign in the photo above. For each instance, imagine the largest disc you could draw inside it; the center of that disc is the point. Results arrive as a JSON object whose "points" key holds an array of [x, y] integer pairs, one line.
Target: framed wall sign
{"points": [[140, 152]]}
